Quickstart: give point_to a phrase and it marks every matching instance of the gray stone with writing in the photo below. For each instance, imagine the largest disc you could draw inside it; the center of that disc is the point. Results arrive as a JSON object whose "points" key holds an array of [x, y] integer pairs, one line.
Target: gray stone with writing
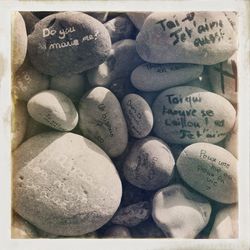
{"points": [[185, 115], [102, 121], [64, 184], [180, 212], [182, 37], [68, 42], [19, 41], [54, 109], [133, 214], [226, 223], [211, 170], [122, 60], [149, 164], [155, 77], [224, 79], [28, 81], [120, 28], [138, 115]]}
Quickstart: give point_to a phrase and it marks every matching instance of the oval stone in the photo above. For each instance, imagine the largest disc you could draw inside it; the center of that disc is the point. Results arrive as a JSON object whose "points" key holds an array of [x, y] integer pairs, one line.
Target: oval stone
{"points": [[149, 164], [122, 60], [28, 82], [102, 121], [186, 37], [64, 184], [154, 77], [53, 109], [211, 170], [138, 115], [68, 42], [72, 85], [185, 115], [120, 28], [19, 41], [224, 79], [180, 213], [226, 223]]}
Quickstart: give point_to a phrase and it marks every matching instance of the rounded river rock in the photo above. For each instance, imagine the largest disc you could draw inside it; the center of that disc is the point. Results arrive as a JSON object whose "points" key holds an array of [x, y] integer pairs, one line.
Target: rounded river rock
{"points": [[149, 164], [211, 170], [65, 184], [185, 115], [68, 42], [102, 121]]}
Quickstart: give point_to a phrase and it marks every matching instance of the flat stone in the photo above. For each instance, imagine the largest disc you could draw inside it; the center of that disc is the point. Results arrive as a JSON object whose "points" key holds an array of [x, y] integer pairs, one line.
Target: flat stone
{"points": [[102, 121], [116, 65], [180, 213], [211, 170], [185, 115], [64, 184], [68, 42], [132, 215], [186, 37], [138, 115], [155, 77], [54, 109], [149, 164]]}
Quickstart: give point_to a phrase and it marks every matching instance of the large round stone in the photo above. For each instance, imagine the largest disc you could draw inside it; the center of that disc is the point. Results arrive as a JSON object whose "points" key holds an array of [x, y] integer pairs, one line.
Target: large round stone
{"points": [[64, 184], [68, 42]]}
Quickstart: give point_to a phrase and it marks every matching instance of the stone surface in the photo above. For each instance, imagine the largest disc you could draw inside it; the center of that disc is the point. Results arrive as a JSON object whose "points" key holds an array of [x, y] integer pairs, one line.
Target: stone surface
{"points": [[28, 82], [117, 231], [226, 223], [18, 123], [64, 184], [30, 20], [185, 115], [224, 78], [147, 229], [232, 17], [99, 15], [102, 121], [21, 229], [211, 170], [180, 213], [54, 109], [18, 41], [132, 215], [68, 42], [72, 85], [138, 18], [149, 164], [231, 141], [155, 77], [120, 28], [116, 65], [186, 37], [138, 115]]}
